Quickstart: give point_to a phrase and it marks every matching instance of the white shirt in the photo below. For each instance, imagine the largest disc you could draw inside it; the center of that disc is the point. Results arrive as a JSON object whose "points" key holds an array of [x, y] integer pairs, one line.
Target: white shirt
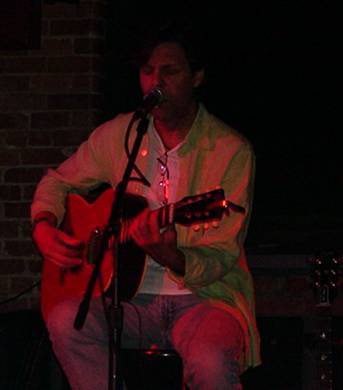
{"points": [[163, 174]]}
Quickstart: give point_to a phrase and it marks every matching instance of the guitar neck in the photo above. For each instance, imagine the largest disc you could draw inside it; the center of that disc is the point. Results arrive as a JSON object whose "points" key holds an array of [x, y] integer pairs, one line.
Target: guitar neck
{"points": [[196, 209]]}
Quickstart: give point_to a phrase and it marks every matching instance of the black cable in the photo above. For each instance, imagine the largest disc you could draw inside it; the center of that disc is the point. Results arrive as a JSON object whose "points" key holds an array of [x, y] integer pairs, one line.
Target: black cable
{"points": [[140, 350], [21, 293], [141, 177]]}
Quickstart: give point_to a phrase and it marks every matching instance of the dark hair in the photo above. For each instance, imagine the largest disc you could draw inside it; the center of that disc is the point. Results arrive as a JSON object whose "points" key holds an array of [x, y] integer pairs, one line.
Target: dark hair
{"points": [[186, 36]]}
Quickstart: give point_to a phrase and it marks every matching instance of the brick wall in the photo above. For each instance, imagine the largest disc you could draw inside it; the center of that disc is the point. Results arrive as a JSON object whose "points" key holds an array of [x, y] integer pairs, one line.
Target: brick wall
{"points": [[50, 99]]}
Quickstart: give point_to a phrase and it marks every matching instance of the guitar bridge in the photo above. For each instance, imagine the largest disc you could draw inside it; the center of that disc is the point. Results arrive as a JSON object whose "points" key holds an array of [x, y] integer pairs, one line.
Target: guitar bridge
{"points": [[94, 245]]}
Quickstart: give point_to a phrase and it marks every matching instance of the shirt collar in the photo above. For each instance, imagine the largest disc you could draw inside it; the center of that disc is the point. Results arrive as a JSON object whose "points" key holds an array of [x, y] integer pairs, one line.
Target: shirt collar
{"points": [[199, 134]]}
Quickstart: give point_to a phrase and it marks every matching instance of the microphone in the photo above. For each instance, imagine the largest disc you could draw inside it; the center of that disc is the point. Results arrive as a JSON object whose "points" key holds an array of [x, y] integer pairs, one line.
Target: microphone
{"points": [[150, 100]]}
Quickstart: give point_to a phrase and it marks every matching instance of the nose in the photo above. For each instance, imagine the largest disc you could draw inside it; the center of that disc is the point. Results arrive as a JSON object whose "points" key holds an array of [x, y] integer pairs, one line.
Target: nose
{"points": [[157, 79], [154, 80]]}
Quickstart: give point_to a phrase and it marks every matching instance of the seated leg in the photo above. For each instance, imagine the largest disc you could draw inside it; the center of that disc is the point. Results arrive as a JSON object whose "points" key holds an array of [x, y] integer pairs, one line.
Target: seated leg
{"points": [[210, 342]]}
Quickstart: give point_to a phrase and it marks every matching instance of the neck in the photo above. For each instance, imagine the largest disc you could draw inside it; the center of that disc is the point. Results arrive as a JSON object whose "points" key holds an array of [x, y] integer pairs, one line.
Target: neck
{"points": [[175, 130]]}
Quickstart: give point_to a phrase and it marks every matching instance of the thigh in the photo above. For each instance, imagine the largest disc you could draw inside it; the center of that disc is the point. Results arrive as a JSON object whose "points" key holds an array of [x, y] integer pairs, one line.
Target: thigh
{"points": [[205, 328], [62, 318], [142, 322]]}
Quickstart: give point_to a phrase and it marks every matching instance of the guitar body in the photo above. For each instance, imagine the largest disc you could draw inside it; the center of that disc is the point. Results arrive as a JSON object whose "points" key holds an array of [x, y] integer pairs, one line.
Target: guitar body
{"points": [[83, 220]]}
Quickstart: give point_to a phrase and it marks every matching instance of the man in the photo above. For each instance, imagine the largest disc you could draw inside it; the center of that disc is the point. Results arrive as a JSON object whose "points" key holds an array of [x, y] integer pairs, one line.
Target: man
{"points": [[197, 293]]}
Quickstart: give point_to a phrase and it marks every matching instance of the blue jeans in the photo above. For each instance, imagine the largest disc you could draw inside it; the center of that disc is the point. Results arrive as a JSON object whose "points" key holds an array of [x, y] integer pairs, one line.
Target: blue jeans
{"points": [[208, 339]]}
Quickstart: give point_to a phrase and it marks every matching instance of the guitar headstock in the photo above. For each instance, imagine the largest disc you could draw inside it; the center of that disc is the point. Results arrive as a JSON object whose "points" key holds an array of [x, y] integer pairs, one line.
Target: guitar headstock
{"points": [[209, 206], [325, 275]]}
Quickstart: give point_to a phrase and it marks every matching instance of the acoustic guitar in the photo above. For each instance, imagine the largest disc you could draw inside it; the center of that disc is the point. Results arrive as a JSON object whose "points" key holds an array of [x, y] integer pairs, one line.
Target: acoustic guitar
{"points": [[89, 220]]}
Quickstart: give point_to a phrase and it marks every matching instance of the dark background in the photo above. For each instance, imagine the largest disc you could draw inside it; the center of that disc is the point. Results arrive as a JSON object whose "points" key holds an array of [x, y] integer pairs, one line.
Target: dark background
{"points": [[273, 75]]}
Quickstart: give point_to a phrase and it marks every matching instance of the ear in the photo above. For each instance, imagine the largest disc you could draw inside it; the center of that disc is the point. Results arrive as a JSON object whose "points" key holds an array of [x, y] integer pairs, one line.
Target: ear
{"points": [[198, 78]]}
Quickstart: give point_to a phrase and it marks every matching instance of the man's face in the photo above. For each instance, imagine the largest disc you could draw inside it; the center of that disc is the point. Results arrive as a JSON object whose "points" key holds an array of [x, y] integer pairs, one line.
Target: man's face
{"points": [[169, 69]]}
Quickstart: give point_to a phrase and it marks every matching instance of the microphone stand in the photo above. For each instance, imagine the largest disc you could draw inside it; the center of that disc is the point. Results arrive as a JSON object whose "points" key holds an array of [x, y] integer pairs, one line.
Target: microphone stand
{"points": [[115, 317]]}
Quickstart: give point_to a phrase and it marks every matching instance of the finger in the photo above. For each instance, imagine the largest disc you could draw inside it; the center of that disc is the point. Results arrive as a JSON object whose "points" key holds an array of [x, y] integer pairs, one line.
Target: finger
{"points": [[69, 241], [64, 261], [169, 234], [63, 255], [154, 226], [71, 252]]}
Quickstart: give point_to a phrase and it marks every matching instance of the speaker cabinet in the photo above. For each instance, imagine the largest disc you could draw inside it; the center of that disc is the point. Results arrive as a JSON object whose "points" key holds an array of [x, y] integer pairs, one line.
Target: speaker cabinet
{"points": [[323, 358], [281, 350]]}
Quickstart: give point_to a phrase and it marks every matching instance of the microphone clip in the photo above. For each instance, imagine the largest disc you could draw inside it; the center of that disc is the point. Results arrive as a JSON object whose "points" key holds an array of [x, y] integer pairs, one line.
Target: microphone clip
{"points": [[150, 100]]}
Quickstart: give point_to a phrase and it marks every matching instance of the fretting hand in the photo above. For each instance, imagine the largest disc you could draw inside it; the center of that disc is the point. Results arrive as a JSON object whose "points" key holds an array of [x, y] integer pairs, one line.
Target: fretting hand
{"points": [[160, 244]]}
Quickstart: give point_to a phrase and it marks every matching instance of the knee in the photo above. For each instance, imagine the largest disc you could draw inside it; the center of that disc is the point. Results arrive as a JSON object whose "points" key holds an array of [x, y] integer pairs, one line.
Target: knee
{"points": [[206, 359], [210, 367]]}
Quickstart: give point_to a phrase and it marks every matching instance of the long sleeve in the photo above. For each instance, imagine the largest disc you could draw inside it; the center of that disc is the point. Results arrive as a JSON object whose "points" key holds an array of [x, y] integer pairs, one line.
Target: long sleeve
{"points": [[215, 252], [215, 260], [97, 160]]}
